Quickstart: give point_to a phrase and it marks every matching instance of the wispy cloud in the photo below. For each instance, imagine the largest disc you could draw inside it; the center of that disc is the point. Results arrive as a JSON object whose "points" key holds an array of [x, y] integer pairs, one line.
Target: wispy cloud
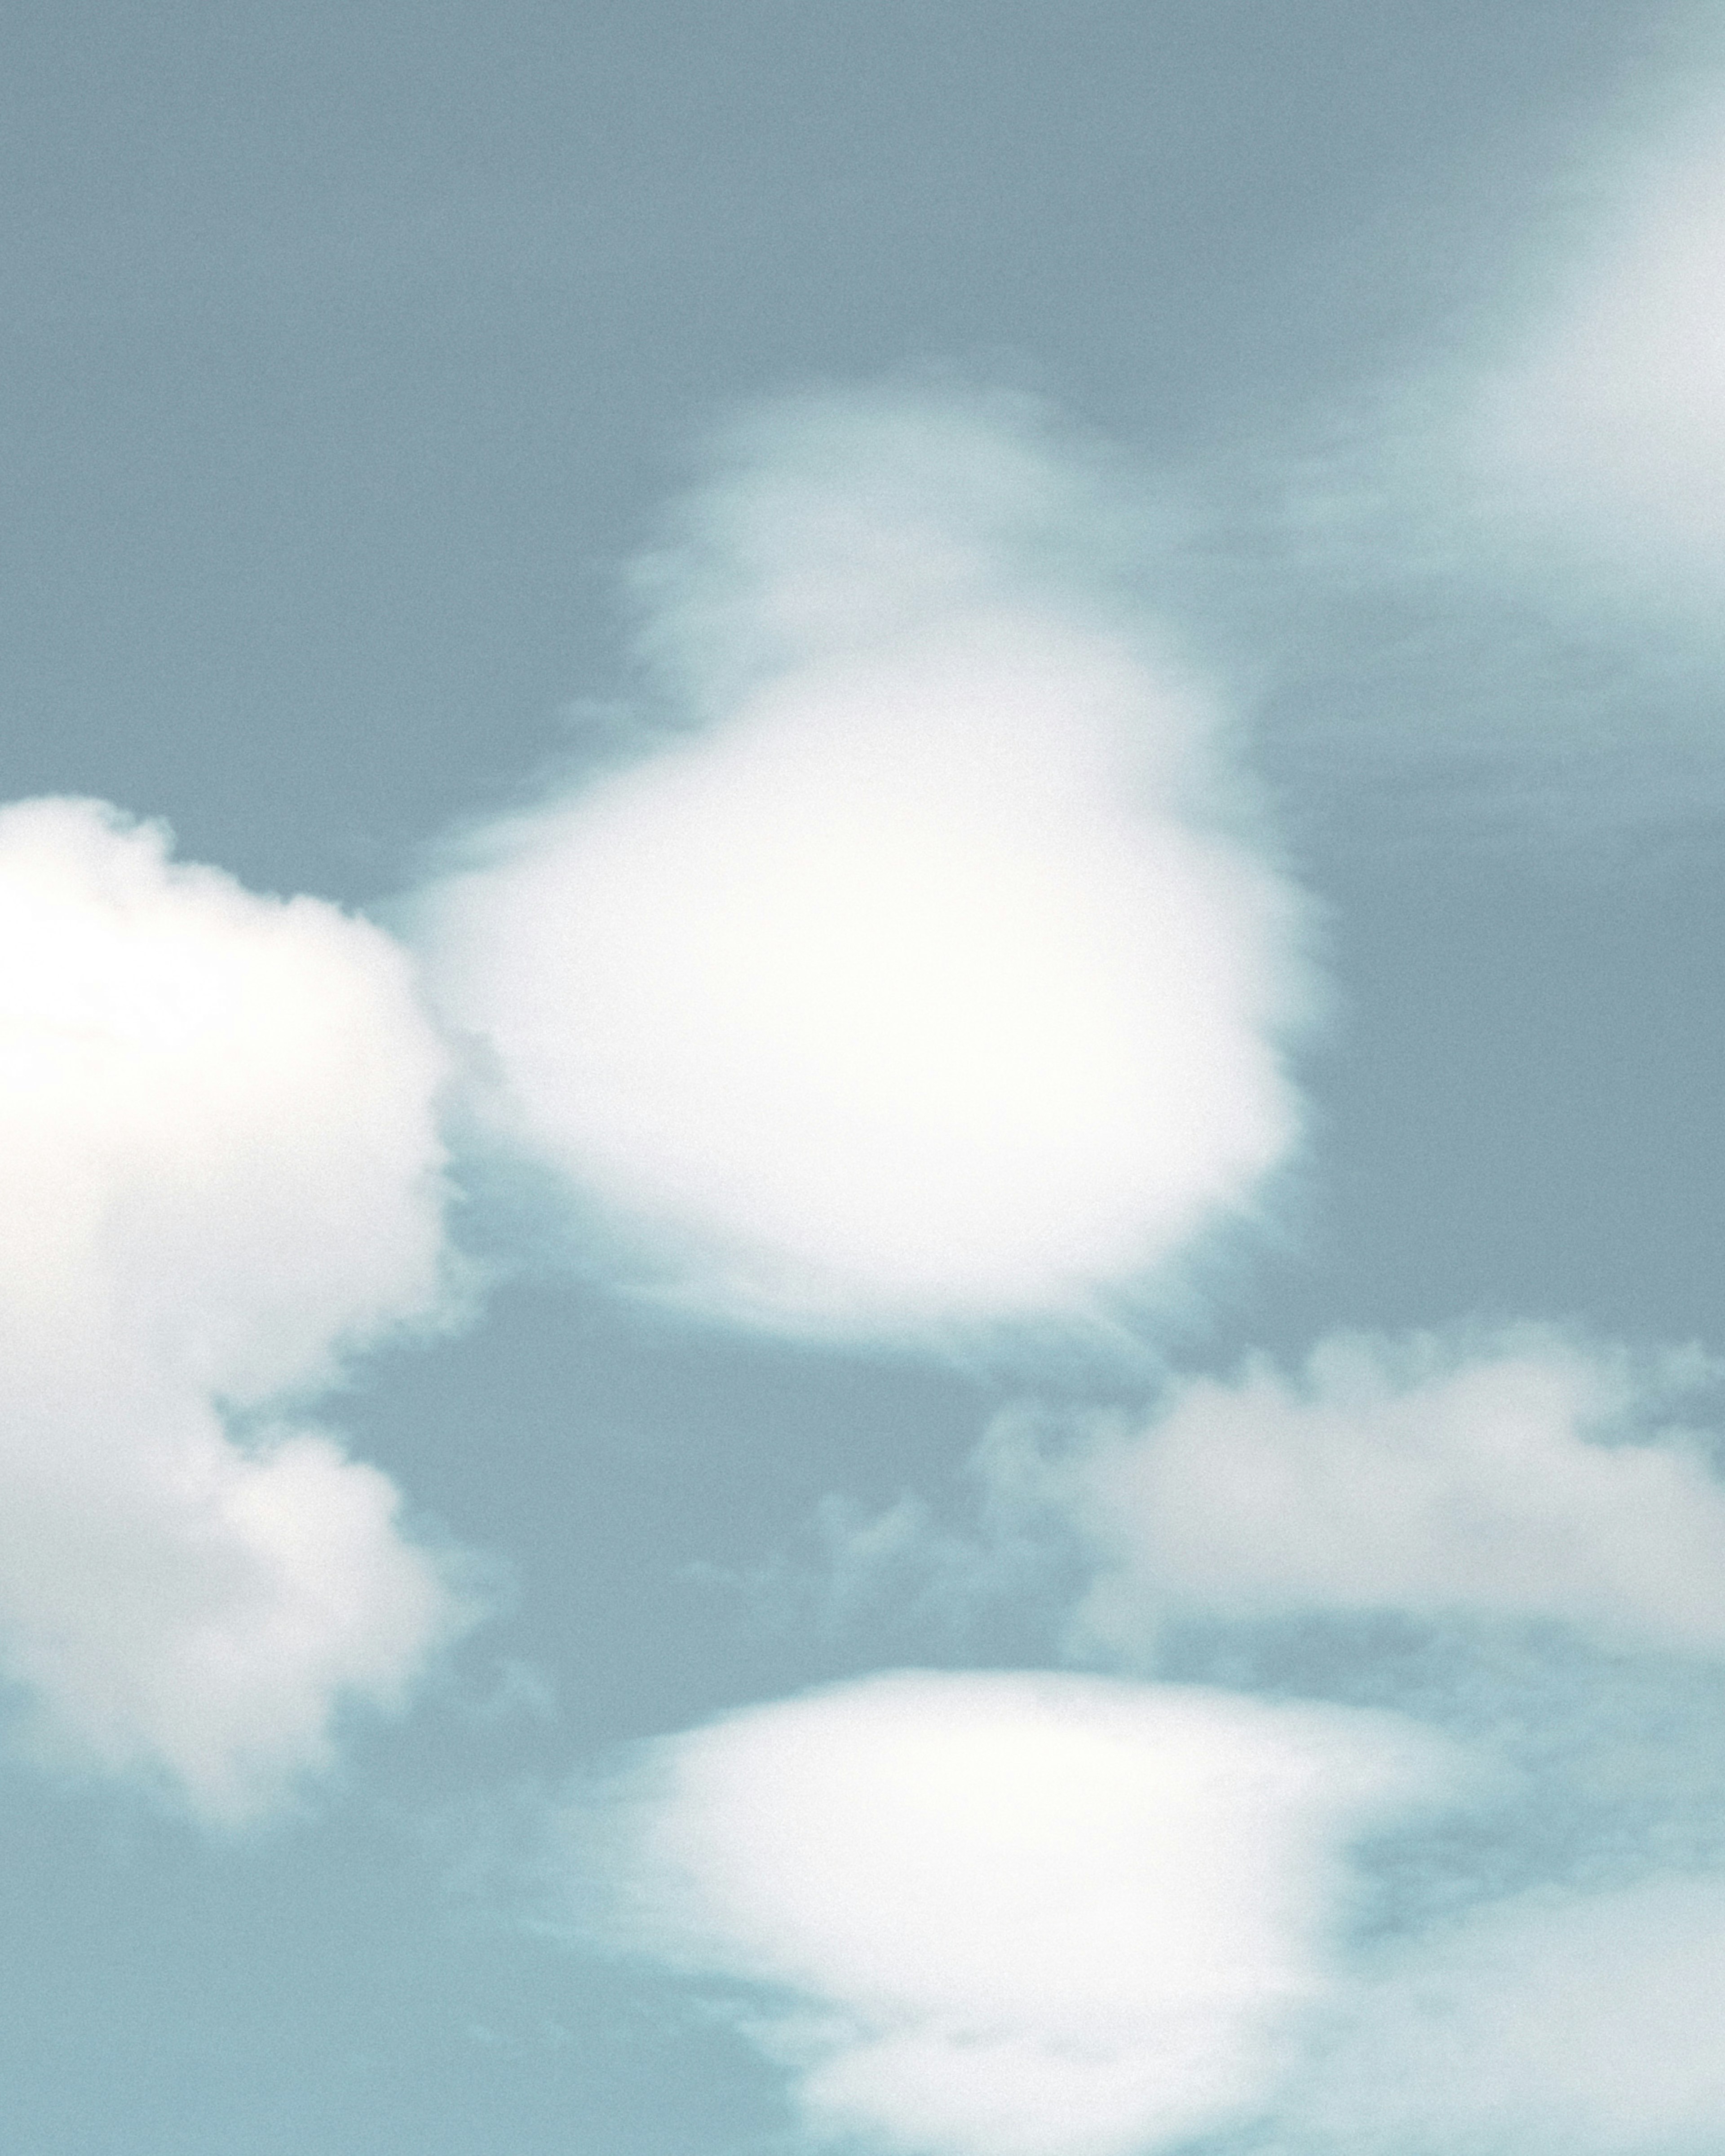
{"points": [[1007, 1915], [1485, 589], [1601, 427], [1550, 2025], [220, 1172], [1531, 1477], [927, 969]]}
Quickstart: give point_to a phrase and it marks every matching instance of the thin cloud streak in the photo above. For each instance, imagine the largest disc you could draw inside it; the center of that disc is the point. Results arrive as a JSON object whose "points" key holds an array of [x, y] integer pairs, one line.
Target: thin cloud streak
{"points": [[1481, 594]]}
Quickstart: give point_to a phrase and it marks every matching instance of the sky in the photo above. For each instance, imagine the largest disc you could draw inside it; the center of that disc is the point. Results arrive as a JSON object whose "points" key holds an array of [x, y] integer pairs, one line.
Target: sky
{"points": [[860, 897]]}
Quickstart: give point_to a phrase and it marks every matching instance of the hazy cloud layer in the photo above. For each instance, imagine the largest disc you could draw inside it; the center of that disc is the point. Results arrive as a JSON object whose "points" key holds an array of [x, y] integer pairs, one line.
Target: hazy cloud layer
{"points": [[1603, 425], [919, 973], [219, 1171], [1550, 2025], [1490, 582], [1008, 1915]]}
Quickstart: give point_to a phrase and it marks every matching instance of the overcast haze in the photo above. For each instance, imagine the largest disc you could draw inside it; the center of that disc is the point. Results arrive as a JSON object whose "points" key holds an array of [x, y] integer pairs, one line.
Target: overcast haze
{"points": [[859, 1034]]}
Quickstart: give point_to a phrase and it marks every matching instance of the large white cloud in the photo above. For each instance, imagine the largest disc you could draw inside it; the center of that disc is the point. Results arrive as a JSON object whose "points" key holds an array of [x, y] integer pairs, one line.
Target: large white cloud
{"points": [[1527, 1477], [1008, 1915], [918, 973], [219, 1170]]}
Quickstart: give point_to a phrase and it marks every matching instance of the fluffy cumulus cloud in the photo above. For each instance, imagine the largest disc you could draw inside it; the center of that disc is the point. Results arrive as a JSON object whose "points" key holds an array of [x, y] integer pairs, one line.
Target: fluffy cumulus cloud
{"points": [[1529, 1477], [920, 972], [1009, 1915], [219, 1171]]}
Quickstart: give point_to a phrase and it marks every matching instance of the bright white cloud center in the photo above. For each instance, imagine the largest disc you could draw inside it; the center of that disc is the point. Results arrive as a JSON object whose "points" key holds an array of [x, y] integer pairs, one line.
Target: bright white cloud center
{"points": [[916, 983], [219, 1169], [1008, 1915]]}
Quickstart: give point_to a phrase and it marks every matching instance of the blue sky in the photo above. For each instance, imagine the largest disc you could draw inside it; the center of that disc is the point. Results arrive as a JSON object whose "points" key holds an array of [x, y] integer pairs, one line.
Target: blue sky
{"points": [[858, 906]]}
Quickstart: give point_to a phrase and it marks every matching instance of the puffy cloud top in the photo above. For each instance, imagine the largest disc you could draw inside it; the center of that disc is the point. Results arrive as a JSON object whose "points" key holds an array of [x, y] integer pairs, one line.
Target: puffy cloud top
{"points": [[219, 1169]]}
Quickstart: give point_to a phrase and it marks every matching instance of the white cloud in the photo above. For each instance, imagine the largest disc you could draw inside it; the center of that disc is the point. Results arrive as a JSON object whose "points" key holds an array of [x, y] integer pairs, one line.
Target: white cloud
{"points": [[919, 975], [1530, 1477], [1009, 1915], [1489, 584], [219, 1170], [1603, 423], [1546, 2025]]}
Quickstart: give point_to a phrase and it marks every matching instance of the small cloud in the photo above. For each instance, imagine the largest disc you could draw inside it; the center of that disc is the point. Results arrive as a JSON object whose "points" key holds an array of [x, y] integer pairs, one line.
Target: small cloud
{"points": [[929, 973], [520, 1690], [1531, 1477]]}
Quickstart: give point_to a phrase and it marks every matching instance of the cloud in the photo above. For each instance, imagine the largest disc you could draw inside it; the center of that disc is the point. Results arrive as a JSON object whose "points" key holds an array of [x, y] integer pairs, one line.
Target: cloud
{"points": [[1034, 1915], [1546, 2025], [1531, 1477], [1485, 587], [1007, 1915], [220, 1173], [1603, 423], [923, 970]]}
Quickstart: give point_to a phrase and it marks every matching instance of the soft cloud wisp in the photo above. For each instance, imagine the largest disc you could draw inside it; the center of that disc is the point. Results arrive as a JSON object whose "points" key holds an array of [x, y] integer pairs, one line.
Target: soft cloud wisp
{"points": [[1551, 2025], [924, 980], [1528, 1478], [1491, 584], [219, 1170], [1605, 429]]}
